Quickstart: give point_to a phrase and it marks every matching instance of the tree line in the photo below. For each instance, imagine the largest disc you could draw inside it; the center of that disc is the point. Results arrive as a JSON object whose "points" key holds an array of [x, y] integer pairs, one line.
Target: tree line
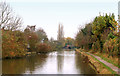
{"points": [[15, 42], [101, 35]]}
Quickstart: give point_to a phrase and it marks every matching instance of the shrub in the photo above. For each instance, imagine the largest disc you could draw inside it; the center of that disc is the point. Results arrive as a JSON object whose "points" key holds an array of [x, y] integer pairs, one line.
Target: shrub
{"points": [[96, 46], [111, 46], [32, 39], [13, 44], [43, 47]]}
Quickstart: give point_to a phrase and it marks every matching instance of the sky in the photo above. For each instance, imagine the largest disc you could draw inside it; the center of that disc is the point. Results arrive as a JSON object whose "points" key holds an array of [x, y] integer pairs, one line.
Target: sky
{"points": [[72, 14]]}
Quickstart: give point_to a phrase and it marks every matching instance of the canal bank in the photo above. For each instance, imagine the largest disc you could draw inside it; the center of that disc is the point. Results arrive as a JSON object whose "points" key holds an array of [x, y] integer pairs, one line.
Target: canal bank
{"points": [[97, 65], [25, 55]]}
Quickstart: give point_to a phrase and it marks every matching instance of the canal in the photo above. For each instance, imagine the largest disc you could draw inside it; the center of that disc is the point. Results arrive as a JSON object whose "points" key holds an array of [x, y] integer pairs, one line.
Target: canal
{"points": [[57, 62]]}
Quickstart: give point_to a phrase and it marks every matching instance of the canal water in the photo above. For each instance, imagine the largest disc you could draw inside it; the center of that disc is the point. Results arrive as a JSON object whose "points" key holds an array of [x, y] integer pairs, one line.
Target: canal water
{"points": [[58, 62]]}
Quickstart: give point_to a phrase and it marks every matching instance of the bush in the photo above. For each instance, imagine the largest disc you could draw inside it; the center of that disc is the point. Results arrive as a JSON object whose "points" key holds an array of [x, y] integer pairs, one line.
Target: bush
{"points": [[110, 35], [111, 46], [96, 46], [13, 44], [43, 47], [32, 39]]}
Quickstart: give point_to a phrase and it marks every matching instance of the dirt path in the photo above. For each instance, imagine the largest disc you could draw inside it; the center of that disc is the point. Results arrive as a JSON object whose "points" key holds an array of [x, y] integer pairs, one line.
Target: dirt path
{"points": [[114, 68]]}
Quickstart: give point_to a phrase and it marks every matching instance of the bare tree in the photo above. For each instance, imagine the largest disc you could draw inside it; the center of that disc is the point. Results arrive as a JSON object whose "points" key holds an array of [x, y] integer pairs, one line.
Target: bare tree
{"points": [[7, 19], [15, 23]]}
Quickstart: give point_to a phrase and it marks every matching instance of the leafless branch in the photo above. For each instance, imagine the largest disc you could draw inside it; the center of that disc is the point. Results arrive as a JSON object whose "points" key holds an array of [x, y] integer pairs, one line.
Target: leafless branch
{"points": [[7, 19]]}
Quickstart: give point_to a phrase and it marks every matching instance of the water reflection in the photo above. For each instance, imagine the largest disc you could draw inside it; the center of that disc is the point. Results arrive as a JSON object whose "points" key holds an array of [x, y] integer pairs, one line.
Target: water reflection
{"points": [[61, 62], [82, 66], [23, 65]]}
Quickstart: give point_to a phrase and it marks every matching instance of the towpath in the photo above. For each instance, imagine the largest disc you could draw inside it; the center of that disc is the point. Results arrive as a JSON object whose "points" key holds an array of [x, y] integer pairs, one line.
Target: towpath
{"points": [[114, 68]]}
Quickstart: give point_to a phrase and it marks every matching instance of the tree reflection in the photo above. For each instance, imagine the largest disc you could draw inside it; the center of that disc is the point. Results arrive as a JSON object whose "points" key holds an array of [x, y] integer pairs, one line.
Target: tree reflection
{"points": [[60, 61], [23, 65]]}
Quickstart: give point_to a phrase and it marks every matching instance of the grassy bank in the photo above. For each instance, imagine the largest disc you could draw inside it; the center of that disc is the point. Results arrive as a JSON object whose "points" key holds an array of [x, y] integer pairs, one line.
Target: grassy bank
{"points": [[113, 60], [100, 67], [113, 72]]}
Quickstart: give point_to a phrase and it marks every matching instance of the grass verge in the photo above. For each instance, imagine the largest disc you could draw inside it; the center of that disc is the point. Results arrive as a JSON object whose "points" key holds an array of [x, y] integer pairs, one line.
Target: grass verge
{"points": [[113, 72], [109, 60]]}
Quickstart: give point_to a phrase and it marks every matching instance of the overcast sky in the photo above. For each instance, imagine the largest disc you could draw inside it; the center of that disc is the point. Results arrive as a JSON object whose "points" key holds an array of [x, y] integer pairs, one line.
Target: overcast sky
{"points": [[73, 14]]}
